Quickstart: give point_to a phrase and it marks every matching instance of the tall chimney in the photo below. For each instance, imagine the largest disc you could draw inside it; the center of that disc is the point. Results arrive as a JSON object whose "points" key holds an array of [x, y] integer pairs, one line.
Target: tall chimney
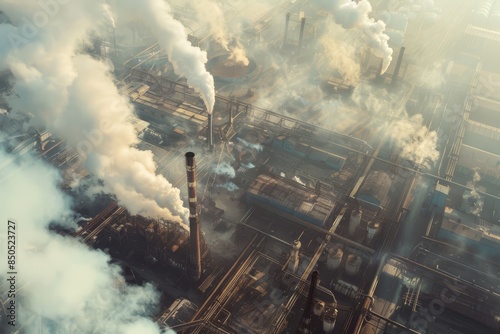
{"points": [[210, 138], [194, 264], [398, 66], [302, 26], [305, 322], [287, 23], [378, 76]]}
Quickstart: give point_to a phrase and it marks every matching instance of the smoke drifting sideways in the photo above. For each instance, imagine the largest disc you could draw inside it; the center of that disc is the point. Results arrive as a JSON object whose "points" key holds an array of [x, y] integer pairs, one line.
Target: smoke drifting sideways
{"points": [[417, 143], [187, 61], [63, 286], [210, 13], [75, 97], [350, 14]]}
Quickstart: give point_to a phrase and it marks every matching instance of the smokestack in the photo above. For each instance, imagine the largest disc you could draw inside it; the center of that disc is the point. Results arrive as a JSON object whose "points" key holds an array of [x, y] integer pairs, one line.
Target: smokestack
{"points": [[302, 26], [305, 322], [287, 23], [378, 77], [398, 66], [210, 139], [194, 264]]}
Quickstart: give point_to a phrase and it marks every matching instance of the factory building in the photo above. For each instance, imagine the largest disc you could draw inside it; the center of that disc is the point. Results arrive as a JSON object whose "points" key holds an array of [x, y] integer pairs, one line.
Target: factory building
{"points": [[290, 198], [470, 232], [295, 147], [375, 189]]}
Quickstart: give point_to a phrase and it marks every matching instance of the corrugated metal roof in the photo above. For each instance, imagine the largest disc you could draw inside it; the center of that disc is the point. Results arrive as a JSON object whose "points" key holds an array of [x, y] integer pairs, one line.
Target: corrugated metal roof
{"points": [[377, 185], [292, 196]]}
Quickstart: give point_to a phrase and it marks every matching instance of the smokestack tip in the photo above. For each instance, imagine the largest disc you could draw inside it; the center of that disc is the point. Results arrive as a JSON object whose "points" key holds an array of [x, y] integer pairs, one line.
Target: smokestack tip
{"points": [[189, 155]]}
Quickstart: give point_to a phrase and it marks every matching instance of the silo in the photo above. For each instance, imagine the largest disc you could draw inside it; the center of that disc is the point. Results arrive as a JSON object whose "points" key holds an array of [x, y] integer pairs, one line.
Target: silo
{"points": [[319, 308], [329, 318], [373, 228], [353, 264], [334, 258], [354, 221]]}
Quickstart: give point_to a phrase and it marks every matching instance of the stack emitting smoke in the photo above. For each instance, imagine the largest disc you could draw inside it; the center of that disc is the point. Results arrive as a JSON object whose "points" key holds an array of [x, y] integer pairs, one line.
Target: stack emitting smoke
{"points": [[194, 265], [208, 12], [398, 66], [75, 95], [350, 14], [210, 136]]}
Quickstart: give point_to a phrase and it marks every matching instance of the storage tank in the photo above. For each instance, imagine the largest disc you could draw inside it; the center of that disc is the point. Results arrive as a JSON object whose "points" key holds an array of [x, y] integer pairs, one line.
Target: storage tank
{"points": [[319, 308], [373, 228], [353, 264], [354, 221], [334, 258], [329, 318]]}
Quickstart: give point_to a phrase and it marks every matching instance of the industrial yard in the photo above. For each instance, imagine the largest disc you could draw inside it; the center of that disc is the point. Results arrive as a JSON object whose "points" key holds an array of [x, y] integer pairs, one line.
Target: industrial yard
{"points": [[304, 175]]}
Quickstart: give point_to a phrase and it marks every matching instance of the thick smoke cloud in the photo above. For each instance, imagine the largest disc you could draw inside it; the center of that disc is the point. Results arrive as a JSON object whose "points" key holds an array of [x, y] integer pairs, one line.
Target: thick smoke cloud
{"points": [[64, 287], [350, 14], [74, 95], [187, 61], [417, 143], [209, 13]]}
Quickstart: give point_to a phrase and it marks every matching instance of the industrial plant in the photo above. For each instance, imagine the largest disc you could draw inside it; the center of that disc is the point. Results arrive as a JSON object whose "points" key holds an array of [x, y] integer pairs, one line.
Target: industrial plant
{"points": [[250, 167]]}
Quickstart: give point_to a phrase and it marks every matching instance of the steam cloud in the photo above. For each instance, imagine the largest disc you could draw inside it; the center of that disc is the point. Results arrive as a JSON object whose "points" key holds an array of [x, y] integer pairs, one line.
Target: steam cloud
{"points": [[64, 287], [350, 14], [415, 140], [225, 169], [187, 61], [75, 96], [209, 12]]}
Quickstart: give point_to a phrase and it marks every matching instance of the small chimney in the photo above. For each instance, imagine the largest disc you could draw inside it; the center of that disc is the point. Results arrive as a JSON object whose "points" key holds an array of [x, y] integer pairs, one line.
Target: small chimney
{"points": [[305, 322], [301, 36], [398, 66], [287, 23], [194, 264]]}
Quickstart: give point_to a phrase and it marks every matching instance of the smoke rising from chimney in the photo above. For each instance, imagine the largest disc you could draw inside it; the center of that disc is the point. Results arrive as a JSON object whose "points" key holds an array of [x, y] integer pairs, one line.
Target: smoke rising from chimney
{"points": [[350, 14], [187, 60], [209, 13], [75, 97]]}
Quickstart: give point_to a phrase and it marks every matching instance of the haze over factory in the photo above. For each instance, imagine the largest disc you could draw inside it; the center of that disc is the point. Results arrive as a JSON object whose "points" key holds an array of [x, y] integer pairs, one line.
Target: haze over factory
{"points": [[268, 166]]}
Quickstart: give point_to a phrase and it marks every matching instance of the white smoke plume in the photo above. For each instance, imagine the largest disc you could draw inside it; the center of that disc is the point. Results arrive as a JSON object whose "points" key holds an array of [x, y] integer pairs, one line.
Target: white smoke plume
{"points": [[209, 12], [257, 147], [340, 56], [298, 180], [63, 286], [350, 14], [476, 177], [230, 186], [225, 169], [75, 96], [187, 60], [415, 140]]}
